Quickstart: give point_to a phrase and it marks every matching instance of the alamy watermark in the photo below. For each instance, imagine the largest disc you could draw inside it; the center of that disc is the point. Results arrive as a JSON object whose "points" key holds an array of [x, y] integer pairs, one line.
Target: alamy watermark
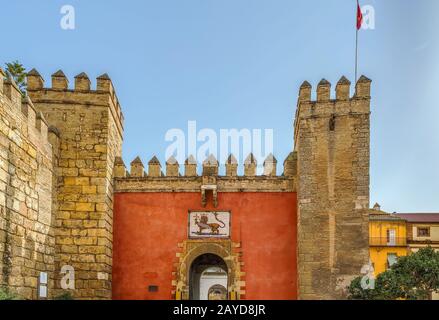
{"points": [[368, 12], [368, 280], [205, 142], [68, 280], [68, 18]]}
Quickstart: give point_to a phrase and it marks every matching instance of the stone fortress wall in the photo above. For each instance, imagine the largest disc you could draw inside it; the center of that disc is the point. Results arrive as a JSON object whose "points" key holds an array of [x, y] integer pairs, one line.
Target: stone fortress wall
{"points": [[90, 126], [58, 151], [332, 144], [60, 165], [27, 239]]}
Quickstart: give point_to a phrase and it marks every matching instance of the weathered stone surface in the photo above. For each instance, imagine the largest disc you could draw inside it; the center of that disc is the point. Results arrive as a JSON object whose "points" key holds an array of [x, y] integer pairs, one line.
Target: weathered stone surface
{"points": [[172, 167], [250, 166], [210, 166], [332, 146], [193, 184], [231, 166], [27, 242], [60, 162], [190, 167], [154, 167], [90, 126]]}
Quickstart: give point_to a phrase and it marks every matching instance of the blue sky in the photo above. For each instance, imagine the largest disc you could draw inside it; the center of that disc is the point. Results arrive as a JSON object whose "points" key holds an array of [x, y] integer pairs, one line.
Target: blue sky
{"points": [[239, 63]]}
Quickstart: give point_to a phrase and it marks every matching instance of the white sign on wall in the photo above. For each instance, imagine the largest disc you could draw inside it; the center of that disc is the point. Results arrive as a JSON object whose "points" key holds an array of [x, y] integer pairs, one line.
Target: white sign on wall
{"points": [[42, 287], [208, 224]]}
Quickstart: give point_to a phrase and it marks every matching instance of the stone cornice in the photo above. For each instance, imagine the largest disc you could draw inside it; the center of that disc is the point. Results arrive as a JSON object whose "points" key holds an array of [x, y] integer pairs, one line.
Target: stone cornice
{"points": [[194, 184]]}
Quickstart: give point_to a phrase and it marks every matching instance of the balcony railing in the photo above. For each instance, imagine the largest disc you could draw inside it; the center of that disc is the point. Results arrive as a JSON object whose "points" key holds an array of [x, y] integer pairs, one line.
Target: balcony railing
{"points": [[387, 242]]}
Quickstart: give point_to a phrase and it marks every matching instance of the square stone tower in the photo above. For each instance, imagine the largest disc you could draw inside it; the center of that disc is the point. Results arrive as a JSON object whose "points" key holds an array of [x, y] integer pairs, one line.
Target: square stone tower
{"points": [[89, 124], [332, 145]]}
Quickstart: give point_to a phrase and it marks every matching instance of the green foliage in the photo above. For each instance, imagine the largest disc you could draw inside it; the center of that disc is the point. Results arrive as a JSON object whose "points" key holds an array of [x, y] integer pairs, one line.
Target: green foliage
{"points": [[16, 71], [419, 274], [5, 294], [414, 277], [64, 296], [356, 292]]}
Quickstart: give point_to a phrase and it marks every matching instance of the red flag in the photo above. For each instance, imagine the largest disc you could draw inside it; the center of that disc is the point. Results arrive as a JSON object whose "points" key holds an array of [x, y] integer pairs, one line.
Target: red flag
{"points": [[359, 17]]}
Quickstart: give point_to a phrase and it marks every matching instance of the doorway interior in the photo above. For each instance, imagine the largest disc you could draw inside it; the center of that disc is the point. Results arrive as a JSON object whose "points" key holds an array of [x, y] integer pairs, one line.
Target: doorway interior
{"points": [[208, 278]]}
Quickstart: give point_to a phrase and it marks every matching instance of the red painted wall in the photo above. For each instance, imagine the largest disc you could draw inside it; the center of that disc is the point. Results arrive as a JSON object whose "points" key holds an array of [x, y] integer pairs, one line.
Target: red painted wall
{"points": [[148, 227]]}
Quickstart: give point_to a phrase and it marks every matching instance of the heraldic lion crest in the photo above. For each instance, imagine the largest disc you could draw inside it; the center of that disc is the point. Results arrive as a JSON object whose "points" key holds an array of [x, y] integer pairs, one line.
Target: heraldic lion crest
{"points": [[202, 221]]}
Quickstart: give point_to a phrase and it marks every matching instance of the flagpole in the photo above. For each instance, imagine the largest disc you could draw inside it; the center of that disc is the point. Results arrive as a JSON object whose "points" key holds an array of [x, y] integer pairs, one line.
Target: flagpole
{"points": [[357, 28], [356, 55]]}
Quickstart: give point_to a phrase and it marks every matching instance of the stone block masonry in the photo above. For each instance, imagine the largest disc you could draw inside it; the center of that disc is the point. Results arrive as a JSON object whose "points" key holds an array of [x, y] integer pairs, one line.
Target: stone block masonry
{"points": [[60, 165], [27, 243], [90, 127], [332, 145]]}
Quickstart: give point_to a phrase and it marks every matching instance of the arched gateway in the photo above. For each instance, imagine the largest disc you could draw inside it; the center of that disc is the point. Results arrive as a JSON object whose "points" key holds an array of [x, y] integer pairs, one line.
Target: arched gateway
{"points": [[199, 256], [302, 233], [206, 273]]}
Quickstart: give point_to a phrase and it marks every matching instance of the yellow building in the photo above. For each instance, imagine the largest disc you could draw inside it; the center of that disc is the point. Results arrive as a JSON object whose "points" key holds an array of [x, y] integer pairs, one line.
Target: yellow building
{"points": [[399, 234], [422, 230], [387, 239]]}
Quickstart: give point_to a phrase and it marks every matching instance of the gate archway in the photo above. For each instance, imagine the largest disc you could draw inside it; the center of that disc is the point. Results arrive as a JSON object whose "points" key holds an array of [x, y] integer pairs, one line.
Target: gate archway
{"points": [[206, 271], [228, 260]]}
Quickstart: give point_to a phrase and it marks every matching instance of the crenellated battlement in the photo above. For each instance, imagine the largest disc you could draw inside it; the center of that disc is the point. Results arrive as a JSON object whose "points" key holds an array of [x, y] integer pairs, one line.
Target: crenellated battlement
{"points": [[326, 104], [61, 166], [88, 122], [342, 90], [171, 179], [21, 111], [332, 143], [82, 92], [209, 168]]}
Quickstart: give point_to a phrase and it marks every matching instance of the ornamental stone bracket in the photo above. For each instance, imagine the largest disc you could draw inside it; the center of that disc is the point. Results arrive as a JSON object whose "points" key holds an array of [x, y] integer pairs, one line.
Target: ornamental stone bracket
{"points": [[209, 183]]}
